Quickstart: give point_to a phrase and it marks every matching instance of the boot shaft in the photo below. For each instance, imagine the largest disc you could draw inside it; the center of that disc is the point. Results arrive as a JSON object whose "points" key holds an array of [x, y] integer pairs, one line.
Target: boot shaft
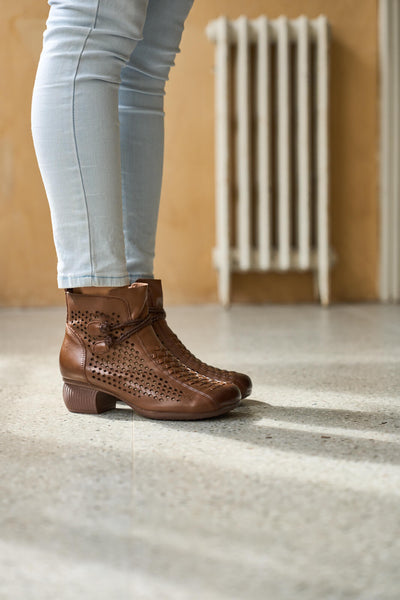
{"points": [[122, 303], [92, 327]]}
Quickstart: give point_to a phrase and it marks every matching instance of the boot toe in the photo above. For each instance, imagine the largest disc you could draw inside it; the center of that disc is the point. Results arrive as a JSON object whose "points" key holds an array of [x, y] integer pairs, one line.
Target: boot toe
{"points": [[226, 396], [244, 383]]}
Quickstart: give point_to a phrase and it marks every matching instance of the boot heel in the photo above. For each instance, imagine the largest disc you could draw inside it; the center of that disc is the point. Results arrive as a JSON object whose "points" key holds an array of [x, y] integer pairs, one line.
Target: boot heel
{"points": [[82, 399]]}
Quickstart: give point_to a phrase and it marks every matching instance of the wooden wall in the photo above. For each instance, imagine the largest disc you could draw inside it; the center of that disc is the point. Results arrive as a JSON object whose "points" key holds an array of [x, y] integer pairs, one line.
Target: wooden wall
{"points": [[186, 227]]}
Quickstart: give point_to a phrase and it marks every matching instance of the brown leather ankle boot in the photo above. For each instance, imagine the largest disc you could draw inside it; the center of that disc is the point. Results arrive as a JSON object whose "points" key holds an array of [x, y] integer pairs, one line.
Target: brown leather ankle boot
{"points": [[174, 345], [111, 352]]}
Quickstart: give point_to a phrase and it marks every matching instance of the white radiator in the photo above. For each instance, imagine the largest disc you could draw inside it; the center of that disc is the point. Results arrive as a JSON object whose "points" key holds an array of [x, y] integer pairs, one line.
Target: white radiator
{"points": [[271, 150]]}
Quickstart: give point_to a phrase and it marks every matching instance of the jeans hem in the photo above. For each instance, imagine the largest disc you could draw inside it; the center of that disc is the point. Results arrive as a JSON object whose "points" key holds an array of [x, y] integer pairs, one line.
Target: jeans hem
{"points": [[71, 281]]}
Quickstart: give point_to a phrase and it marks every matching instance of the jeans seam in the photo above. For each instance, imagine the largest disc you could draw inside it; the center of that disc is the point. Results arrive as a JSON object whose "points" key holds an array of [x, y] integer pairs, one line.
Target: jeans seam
{"points": [[96, 14], [75, 140], [77, 153]]}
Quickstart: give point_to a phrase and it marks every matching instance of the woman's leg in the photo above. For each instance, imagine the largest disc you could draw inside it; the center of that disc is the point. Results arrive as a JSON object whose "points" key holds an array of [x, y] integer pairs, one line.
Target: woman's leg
{"points": [[141, 115], [75, 128]]}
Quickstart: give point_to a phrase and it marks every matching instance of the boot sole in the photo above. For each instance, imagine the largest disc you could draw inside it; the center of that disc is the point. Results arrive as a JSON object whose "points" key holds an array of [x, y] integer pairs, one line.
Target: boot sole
{"points": [[79, 398]]}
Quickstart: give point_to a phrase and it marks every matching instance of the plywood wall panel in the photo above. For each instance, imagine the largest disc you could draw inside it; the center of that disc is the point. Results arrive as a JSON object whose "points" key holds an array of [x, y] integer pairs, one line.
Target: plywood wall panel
{"points": [[186, 227]]}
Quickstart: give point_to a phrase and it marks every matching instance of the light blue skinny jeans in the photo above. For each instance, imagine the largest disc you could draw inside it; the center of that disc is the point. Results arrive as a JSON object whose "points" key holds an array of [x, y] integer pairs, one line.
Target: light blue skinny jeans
{"points": [[98, 132]]}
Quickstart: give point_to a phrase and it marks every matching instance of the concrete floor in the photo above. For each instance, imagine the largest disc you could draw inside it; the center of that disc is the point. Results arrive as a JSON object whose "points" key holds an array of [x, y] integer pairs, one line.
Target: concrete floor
{"points": [[294, 495]]}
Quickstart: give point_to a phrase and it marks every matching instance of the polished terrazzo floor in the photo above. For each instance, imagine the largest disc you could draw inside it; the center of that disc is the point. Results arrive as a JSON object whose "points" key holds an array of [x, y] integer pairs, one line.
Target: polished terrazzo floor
{"points": [[294, 495]]}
